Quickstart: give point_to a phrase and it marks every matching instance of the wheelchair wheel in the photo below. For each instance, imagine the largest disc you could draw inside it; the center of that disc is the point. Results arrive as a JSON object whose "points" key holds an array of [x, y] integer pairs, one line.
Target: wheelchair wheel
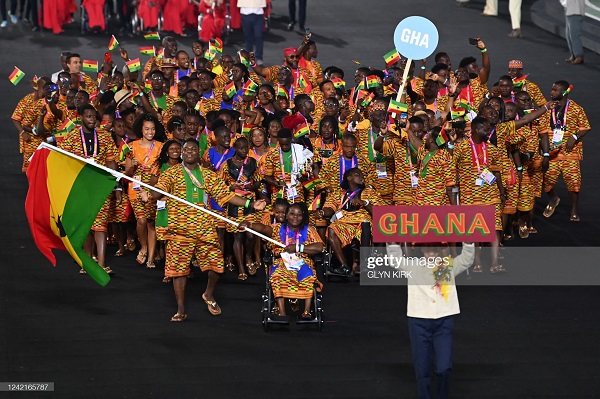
{"points": [[135, 22], [226, 30], [84, 21], [319, 311]]}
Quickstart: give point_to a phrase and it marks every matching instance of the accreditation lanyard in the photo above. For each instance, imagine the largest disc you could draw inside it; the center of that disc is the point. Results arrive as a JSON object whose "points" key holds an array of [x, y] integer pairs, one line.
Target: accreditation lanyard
{"points": [[349, 198], [353, 164], [84, 144], [195, 181], [289, 240], [556, 122], [241, 170], [222, 159], [154, 101], [283, 164], [409, 156], [147, 157], [484, 149]]}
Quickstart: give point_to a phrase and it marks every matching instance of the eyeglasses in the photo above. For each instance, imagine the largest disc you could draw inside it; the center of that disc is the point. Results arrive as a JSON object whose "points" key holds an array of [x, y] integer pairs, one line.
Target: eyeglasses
{"points": [[330, 105], [292, 57], [157, 78]]}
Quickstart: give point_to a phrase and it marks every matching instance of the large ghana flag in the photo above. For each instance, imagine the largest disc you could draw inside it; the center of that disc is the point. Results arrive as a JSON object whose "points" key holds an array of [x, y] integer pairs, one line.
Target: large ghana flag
{"points": [[64, 197]]}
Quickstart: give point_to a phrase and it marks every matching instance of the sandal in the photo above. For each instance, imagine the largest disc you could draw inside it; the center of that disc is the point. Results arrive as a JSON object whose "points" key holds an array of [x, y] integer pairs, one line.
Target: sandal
{"points": [[242, 276], [523, 231], [252, 268], [178, 317], [130, 246], [213, 307], [497, 269], [108, 270], [141, 258], [230, 266], [477, 269], [120, 252], [150, 265], [306, 315], [532, 230], [550, 209], [167, 279], [574, 218], [275, 309], [82, 271]]}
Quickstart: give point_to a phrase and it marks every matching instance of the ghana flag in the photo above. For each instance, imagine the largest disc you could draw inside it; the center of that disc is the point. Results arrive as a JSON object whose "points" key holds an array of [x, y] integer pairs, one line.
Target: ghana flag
{"points": [[16, 76], [152, 36], [230, 89], [301, 130], [519, 82], [64, 197], [113, 43]]}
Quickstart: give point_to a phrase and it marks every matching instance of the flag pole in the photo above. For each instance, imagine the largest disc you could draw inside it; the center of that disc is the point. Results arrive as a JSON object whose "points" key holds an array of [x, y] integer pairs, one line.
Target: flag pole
{"points": [[403, 85], [120, 175]]}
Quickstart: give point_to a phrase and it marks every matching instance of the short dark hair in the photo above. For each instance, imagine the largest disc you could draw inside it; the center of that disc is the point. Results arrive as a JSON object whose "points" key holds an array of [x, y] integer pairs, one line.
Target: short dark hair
{"points": [[440, 55], [72, 55], [563, 84], [345, 185], [438, 67], [284, 133], [415, 119], [349, 136], [479, 120], [466, 61]]}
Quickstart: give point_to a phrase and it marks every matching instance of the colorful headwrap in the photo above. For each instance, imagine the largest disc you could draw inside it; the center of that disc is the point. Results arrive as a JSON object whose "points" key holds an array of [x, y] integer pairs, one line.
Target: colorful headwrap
{"points": [[515, 64], [377, 106]]}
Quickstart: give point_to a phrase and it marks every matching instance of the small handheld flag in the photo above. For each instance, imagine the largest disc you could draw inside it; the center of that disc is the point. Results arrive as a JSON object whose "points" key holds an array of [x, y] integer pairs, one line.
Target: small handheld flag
{"points": [[301, 130], [302, 83], [568, 90], [316, 204], [367, 100], [90, 66], [16, 76], [152, 36], [250, 87], [457, 113], [465, 104], [243, 59], [397, 107], [147, 50], [134, 65], [113, 43], [519, 82], [282, 92], [392, 57], [373, 81], [230, 89], [338, 83]]}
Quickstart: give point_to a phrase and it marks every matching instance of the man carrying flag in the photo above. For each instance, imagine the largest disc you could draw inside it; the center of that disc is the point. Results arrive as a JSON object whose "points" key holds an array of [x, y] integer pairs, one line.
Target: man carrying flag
{"points": [[520, 82], [193, 232], [98, 145]]}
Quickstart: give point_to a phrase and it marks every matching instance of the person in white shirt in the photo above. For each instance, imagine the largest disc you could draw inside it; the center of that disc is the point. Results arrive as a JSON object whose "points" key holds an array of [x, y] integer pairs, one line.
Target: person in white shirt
{"points": [[252, 24], [432, 304], [63, 64]]}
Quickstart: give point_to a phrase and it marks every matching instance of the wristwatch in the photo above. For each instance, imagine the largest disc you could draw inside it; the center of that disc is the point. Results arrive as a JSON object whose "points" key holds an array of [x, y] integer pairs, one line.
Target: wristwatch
{"points": [[576, 137]]}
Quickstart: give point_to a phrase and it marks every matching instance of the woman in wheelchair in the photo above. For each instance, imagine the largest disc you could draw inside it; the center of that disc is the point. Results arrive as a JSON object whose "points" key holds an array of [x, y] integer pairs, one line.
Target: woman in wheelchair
{"points": [[295, 277], [347, 209]]}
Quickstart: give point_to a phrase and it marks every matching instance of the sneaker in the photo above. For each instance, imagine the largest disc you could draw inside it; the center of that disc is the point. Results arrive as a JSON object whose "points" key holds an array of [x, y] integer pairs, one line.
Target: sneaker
{"points": [[13, 18], [3, 24]]}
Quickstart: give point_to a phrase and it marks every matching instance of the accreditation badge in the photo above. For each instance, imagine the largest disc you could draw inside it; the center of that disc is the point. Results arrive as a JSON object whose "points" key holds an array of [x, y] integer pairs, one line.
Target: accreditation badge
{"points": [[381, 170], [557, 136], [487, 176]]}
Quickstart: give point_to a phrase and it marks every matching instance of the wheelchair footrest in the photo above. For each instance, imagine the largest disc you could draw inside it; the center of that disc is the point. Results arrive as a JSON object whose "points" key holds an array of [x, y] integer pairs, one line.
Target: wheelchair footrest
{"points": [[276, 319], [301, 320]]}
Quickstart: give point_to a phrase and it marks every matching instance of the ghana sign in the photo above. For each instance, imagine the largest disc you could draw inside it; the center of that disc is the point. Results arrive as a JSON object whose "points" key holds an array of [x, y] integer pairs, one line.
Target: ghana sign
{"points": [[421, 224]]}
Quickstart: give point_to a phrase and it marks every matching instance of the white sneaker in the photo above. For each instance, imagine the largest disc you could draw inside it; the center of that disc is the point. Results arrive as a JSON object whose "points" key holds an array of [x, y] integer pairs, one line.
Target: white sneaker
{"points": [[3, 24], [13, 17]]}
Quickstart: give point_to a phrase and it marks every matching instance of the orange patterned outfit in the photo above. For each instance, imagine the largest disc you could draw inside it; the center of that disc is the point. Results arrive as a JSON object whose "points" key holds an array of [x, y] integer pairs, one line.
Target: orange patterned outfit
{"points": [[349, 226], [466, 165], [190, 231], [271, 76], [383, 184], [405, 160], [313, 66], [146, 168], [231, 173], [122, 212], [282, 171], [508, 137], [27, 112], [332, 173], [324, 151], [284, 282], [535, 93], [436, 173], [103, 151], [564, 162]]}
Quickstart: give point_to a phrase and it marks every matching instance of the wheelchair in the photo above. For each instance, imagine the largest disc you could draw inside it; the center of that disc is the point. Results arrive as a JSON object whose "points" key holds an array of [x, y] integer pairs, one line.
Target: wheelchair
{"points": [[269, 302], [329, 261], [137, 23], [226, 27], [85, 27]]}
